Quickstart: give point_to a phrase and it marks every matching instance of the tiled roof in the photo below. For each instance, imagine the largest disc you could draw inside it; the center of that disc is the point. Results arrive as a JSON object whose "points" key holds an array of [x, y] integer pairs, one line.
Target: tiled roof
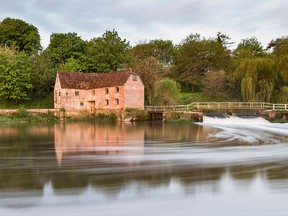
{"points": [[77, 80]]}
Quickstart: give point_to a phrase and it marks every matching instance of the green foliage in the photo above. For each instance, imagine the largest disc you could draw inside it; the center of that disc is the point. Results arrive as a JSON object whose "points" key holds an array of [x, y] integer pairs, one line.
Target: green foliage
{"points": [[215, 83], [167, 92], [197, 56], [140, 115], [248, 89], [162, 50], [65, 46], [43, 74], [22, 112], [45, 101], [258, 77], [106, 117], [249, 48], [20, 35], [107, 53], [179, 121], [282, 67], [250, 73], [279, 46], [15, 75], [73, 65], [281, 95]]}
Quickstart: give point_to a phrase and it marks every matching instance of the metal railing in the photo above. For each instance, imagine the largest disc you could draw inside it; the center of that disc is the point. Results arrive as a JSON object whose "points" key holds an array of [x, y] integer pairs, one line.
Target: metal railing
{"points": [[219, 106]]}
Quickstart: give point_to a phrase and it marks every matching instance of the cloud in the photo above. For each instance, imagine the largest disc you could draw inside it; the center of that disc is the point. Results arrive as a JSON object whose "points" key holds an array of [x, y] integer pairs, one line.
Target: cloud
{"points": [[149, 19]]}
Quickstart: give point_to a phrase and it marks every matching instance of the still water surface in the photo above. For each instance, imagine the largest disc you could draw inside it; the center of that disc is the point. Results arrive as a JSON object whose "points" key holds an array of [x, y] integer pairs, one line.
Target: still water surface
{"points": [[223, 166]]}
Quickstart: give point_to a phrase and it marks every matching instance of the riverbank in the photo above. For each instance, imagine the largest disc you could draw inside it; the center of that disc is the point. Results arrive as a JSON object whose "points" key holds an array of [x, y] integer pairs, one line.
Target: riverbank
{"points": [[275, 116], [50, 115]]}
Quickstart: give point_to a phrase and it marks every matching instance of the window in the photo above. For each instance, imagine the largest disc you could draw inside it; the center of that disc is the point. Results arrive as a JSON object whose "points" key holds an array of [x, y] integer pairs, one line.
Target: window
{"points": [[93, 92], [59, 93], [107, 91], [117, 89], [117, 101], [76, 93], [67, 93], [134, 77], [106, 102], [81, 103]]}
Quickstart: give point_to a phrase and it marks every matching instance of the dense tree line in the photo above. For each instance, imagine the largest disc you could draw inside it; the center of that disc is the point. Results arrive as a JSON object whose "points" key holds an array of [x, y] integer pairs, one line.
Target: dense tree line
{"points": [[249, 72]]}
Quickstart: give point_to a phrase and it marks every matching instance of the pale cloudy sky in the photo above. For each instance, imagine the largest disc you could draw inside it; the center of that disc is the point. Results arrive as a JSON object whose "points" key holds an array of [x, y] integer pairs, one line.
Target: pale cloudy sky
{"points": [[138, 20]]}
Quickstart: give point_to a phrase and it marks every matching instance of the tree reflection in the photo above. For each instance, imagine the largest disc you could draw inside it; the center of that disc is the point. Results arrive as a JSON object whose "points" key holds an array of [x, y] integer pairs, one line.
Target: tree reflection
{"points": [[110, 158]]}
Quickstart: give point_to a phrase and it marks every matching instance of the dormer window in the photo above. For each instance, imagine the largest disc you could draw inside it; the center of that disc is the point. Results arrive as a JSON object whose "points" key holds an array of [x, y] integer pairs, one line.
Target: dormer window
{"points": [[134, 77]]}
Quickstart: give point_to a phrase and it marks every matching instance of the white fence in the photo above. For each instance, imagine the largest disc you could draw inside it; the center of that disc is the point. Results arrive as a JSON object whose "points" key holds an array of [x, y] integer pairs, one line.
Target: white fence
{"points": [[219, 106]]}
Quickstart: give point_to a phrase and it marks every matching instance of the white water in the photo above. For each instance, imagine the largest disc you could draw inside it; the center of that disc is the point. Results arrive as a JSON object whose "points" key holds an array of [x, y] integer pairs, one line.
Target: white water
{"points": [[251, 130]]}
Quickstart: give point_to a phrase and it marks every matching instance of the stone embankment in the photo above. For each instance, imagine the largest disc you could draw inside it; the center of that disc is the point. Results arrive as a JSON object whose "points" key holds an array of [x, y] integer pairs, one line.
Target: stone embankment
{"points": [[193, 116], [274, 116], [7, 112]]}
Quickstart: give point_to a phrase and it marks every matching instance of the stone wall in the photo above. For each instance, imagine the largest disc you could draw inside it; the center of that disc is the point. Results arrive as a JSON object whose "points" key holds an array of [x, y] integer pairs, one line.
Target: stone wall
{"points": [[7, 112], [273, 116], [194, 116]]}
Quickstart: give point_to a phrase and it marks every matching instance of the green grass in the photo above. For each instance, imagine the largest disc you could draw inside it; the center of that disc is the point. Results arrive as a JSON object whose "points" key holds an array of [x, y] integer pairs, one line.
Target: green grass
{"points": [[189, 97], [179, 121], [28, 118], [36, 102]]}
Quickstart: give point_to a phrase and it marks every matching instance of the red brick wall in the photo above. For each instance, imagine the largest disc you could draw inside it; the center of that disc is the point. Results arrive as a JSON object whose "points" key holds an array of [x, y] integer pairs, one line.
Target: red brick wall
{"points": [[134, 93], [131, 95]]}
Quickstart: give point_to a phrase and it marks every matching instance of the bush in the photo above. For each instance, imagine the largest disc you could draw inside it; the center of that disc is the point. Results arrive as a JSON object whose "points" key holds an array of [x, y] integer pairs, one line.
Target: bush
{"points": [[22, 112]]}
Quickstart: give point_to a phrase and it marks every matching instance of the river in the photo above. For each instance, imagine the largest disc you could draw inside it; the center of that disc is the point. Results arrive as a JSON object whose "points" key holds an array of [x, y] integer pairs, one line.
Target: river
{"points": [[223, 166]]}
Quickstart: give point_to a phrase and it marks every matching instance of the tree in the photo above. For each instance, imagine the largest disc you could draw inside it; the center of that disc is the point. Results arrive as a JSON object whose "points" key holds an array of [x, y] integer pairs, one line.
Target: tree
{"points": [[215, 83], [162, 50], [258, 78], [223, 40], [279, 46], [107, 53], [73, 65], [64, 46], [148, 70], [167, 91], [249, 48], [15, 75], [43, 74], [20, 35], [196, 57]]}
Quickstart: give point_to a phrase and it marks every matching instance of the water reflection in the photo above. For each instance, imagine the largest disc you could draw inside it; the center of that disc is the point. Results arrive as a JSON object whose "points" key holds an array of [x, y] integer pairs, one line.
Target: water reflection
{"points": [[84, 140], [77, 164]]}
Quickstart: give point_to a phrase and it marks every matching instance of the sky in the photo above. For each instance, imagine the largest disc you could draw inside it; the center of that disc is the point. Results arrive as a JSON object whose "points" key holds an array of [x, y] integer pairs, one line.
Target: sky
{"points": [[143, 20]]}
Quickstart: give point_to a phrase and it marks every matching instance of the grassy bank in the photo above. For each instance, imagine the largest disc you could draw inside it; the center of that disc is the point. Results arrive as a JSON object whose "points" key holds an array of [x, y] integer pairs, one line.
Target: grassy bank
{"points": [[189, 97], [179, 121], [23, 116], [35, 102]]}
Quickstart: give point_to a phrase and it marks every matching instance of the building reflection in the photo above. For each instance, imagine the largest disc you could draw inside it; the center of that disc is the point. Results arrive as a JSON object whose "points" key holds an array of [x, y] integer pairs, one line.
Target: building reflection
{"points": [[80, 139], [74, 156]]}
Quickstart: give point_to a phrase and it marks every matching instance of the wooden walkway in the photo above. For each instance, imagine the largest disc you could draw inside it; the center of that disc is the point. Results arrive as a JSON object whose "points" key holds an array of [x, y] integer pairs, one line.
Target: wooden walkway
{"points": [[218, 106]]}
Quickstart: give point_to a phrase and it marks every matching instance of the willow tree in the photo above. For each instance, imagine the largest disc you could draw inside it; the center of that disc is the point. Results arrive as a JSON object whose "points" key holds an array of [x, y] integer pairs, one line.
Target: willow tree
{"points": [[258, 78], [167, 91], [282, 67]]}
